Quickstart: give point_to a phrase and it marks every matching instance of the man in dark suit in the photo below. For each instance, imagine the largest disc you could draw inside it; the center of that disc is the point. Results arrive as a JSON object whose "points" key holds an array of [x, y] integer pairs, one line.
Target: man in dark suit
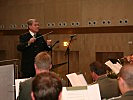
{"points": [[42, 64], [125, 81], [108, 87], [30, 45]]}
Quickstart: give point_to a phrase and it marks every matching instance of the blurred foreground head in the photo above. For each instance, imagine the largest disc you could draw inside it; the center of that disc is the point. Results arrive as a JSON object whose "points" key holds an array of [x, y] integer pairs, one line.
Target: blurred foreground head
{"points": [[46, 86], [125, 78]]}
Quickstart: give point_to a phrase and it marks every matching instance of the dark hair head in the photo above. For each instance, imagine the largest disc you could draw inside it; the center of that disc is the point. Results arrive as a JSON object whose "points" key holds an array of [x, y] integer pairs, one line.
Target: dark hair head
{"points": [[98, 68], [43, 61], [126, 73], [46, 86]]}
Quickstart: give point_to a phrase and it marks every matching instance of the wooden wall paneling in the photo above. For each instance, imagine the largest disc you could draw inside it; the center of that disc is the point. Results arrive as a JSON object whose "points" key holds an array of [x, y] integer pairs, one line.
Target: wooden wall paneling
{"points": [[38, 13], [87, 49], [74, 62], [1, 43], [3, 14], [12, 18], [114, 42], [130, 45], [21, 12], [73, 10], [5, 17], [50, 13], [9, 45], [2, 49], [60, 12], [106, 10], [105, 56], [86, 44], [2, 55], [24, 2]]}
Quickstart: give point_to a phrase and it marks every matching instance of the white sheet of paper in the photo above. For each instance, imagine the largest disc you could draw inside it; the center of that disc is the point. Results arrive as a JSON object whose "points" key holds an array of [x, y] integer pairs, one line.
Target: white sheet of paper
{"points": [[118, 67], [92, 93], [74, 79], [17, 81], [74, 94], [115, 67], [82, 79]]}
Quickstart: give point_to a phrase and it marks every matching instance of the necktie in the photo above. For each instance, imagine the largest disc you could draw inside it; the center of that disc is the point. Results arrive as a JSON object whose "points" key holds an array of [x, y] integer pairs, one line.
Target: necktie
{"points": [[34, 35]]}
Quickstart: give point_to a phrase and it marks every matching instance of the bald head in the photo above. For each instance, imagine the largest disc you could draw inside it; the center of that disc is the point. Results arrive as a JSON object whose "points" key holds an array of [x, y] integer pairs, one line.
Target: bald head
{"points": [[126, 73]]}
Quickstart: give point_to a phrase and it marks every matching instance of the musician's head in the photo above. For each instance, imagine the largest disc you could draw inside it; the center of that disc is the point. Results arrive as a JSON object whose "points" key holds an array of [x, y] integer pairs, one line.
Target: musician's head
{"points": [[97, 69], [33, 25], [125, 78], [42, 62], [46, 86]]}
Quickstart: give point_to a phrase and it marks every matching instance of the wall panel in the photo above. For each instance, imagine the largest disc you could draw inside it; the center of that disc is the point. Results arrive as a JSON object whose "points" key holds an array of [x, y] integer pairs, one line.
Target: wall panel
{"points": [[86, 44]]}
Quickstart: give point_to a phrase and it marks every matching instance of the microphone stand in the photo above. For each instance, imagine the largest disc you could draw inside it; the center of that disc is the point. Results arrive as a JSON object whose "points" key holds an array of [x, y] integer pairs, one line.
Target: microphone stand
{"points": [[68, 54], [52, 48]]}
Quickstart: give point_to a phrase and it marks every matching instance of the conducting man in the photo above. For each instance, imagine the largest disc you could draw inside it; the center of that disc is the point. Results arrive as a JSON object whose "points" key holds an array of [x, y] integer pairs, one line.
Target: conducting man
{"points": [[30, 45]]}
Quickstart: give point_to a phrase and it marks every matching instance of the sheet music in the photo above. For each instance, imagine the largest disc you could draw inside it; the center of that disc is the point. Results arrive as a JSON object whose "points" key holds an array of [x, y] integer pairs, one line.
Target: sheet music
{"points": [[91, 93], [94, 92], [74, 94], [115, 67], [17, 82], [118, 67], [77, 80], [82, 79], [74, 80]]}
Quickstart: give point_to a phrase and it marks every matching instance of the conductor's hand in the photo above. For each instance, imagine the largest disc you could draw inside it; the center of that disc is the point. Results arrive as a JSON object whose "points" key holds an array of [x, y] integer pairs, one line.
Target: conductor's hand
{"points": [[32, 40], [49, 42]]}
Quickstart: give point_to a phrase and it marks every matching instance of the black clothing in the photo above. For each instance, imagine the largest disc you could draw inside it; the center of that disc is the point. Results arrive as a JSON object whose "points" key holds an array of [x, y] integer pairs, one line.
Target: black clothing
{"points": [[29, 52]]}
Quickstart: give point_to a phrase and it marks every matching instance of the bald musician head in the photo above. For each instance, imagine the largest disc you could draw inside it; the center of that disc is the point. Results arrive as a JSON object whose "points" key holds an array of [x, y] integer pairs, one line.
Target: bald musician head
{"points": [[125, 78]]}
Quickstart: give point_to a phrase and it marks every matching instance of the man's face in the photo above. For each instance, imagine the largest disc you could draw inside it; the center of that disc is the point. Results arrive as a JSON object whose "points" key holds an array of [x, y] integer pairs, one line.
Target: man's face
{"points": [[34, 27], [93, 75]]}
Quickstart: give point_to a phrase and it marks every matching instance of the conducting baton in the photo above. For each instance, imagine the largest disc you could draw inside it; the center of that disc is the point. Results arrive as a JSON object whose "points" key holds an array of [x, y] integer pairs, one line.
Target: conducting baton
{"points": [[44, 34]]}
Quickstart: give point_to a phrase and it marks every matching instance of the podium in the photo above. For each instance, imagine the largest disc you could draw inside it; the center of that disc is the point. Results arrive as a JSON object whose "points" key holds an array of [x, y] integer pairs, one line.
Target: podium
{"points": [[7, 85]]}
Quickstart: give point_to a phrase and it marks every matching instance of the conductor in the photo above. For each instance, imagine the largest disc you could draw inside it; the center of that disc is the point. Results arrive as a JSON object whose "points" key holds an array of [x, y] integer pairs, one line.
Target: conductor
{"points": [[30, 44]]}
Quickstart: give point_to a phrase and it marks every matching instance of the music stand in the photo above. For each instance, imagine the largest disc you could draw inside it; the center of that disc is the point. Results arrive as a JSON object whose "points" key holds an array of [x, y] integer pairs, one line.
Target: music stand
{"points": [[58, 65], [52, 48], [68, 53]]}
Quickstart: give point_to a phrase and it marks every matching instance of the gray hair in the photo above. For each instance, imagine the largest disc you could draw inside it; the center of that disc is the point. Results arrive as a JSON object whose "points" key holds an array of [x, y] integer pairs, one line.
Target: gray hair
{"points": [[30, 21]]}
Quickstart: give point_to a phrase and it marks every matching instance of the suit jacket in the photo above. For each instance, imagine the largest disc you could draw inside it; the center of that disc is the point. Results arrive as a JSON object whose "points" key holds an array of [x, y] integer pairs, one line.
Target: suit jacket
{"points": [[127, 96], [30, 51], [108, 87], [25, 90]]}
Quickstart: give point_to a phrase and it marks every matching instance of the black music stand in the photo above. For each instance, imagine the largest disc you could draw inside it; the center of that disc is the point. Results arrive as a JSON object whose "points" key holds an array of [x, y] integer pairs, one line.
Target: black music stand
{"points": [[68, 53], [52, 48], [58, 65]]}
